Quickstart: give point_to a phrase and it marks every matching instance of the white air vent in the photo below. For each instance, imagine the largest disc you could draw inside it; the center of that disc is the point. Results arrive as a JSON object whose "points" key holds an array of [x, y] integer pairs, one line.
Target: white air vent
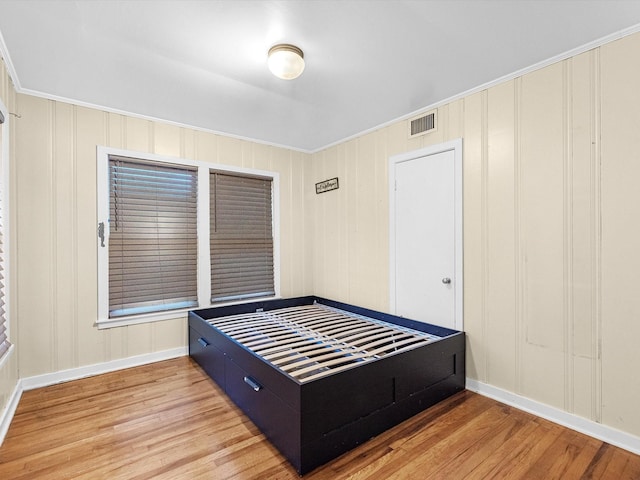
{"points": [[424, 123]]}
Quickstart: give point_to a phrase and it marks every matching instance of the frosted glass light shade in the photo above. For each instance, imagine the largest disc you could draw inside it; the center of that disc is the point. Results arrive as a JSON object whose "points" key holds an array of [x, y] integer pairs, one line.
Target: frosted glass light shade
{"points": [[286, 61]]}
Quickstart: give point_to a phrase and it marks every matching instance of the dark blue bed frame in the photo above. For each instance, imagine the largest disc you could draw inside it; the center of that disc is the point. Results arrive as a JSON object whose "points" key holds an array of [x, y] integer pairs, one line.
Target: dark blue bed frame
{"points": [[314, 422]]}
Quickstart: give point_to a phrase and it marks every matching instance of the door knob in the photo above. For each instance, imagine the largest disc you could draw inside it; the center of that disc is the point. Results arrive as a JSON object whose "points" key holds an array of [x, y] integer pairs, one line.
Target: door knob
{"points": [[446, 280]]}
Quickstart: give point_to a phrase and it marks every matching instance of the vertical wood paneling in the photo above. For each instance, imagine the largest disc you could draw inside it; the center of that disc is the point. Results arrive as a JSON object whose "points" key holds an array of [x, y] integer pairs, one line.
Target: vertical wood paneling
{"points": [[188, 143], [167, 140], [34, 235], [300, 280], [474, 321], [91, 345], [443, 124], [286, 224], [137, 134], [205, 147], [115, 130], [484, 214], [50, 212], [230, 152], [262, 155], [596, 260], [318, 252], [620, 233], [352, 212], [316, 228], [169, 334], [381, 219], [64, 232], [365, 261], [519, 268], [567, 333], [455, 120], [397, 141], [308, 225], [327, 229], [440, 135], [292, 239], [500, 230], [345, 184], [583, 233], [542, 162]]}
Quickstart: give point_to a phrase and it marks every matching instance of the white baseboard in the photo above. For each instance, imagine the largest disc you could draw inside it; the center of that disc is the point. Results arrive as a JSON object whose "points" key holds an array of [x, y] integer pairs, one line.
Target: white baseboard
{"points": [[37, 381], [588, 427], [9, 410]]}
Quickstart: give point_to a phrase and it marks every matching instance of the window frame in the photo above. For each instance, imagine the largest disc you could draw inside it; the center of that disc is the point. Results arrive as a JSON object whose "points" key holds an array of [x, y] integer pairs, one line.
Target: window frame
{"points": [[204, 267], [250, 194], [6, 236]]}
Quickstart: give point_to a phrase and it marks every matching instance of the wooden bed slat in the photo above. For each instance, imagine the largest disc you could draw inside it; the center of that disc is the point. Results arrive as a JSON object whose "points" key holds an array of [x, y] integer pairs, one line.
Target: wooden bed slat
{"points": [[311, 341]]}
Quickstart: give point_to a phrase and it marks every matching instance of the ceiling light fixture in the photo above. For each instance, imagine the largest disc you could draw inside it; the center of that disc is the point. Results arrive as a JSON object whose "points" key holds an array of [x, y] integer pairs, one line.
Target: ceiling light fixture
{"points": [[286, 61]]}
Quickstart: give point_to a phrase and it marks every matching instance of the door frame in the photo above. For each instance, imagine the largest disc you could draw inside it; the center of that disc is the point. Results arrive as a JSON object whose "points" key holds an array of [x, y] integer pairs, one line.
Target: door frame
{"points": [[456, 147]]}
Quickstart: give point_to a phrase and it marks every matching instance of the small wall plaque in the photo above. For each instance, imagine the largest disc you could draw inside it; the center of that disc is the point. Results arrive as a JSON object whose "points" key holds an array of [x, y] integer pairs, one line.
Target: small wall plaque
{"points": [[327, 185]]}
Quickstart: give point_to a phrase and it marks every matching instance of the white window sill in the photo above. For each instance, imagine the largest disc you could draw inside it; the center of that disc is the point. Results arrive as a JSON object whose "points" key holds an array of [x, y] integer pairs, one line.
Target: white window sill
{"points": [[180, 314], [138, 319]]}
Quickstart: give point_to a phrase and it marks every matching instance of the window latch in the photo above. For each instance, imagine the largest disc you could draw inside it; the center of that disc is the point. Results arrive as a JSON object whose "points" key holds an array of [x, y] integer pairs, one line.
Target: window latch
{"points": [[101, 233]]}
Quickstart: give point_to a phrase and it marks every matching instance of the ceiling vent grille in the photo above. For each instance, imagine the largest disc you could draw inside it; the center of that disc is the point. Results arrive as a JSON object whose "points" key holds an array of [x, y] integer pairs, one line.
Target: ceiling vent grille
{"points": [[425, 123]]}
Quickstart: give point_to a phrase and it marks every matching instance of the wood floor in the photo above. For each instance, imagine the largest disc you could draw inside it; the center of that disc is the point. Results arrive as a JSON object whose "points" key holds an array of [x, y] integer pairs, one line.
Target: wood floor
{"points": [[170, 421]]}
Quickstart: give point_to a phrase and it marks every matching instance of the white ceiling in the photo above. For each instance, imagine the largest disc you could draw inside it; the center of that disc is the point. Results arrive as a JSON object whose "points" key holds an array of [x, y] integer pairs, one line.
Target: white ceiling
{"points": [[203, 63]]}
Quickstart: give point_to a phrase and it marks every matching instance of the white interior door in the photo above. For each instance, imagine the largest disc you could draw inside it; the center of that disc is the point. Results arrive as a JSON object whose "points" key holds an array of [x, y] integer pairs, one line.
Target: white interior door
{"points": [[426, 270]]}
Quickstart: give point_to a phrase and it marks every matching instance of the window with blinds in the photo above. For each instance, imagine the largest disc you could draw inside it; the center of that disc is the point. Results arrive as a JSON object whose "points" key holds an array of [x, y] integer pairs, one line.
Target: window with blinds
{"points": [[177, 234], [241, 237], [153, 238], [4, 340]]}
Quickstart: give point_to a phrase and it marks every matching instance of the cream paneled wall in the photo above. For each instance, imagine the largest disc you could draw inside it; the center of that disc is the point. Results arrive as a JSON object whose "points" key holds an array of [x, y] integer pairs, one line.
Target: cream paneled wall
{"points": [[551, 230], [56, 227], [551, 208], [618, 267], [9, 369]]}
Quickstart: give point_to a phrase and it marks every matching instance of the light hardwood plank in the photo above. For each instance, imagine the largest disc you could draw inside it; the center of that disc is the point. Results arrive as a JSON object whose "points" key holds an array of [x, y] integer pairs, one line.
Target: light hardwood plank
{"points": [[170, 421]]}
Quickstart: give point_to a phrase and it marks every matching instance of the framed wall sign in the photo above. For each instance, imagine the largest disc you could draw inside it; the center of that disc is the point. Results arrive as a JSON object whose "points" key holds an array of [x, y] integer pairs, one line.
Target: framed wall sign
{"points": [[327, 185]]}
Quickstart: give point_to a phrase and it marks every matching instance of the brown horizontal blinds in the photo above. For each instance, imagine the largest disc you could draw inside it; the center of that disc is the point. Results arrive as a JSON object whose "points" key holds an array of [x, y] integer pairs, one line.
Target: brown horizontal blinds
{"points": [[153, 240], [241, 237]]}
